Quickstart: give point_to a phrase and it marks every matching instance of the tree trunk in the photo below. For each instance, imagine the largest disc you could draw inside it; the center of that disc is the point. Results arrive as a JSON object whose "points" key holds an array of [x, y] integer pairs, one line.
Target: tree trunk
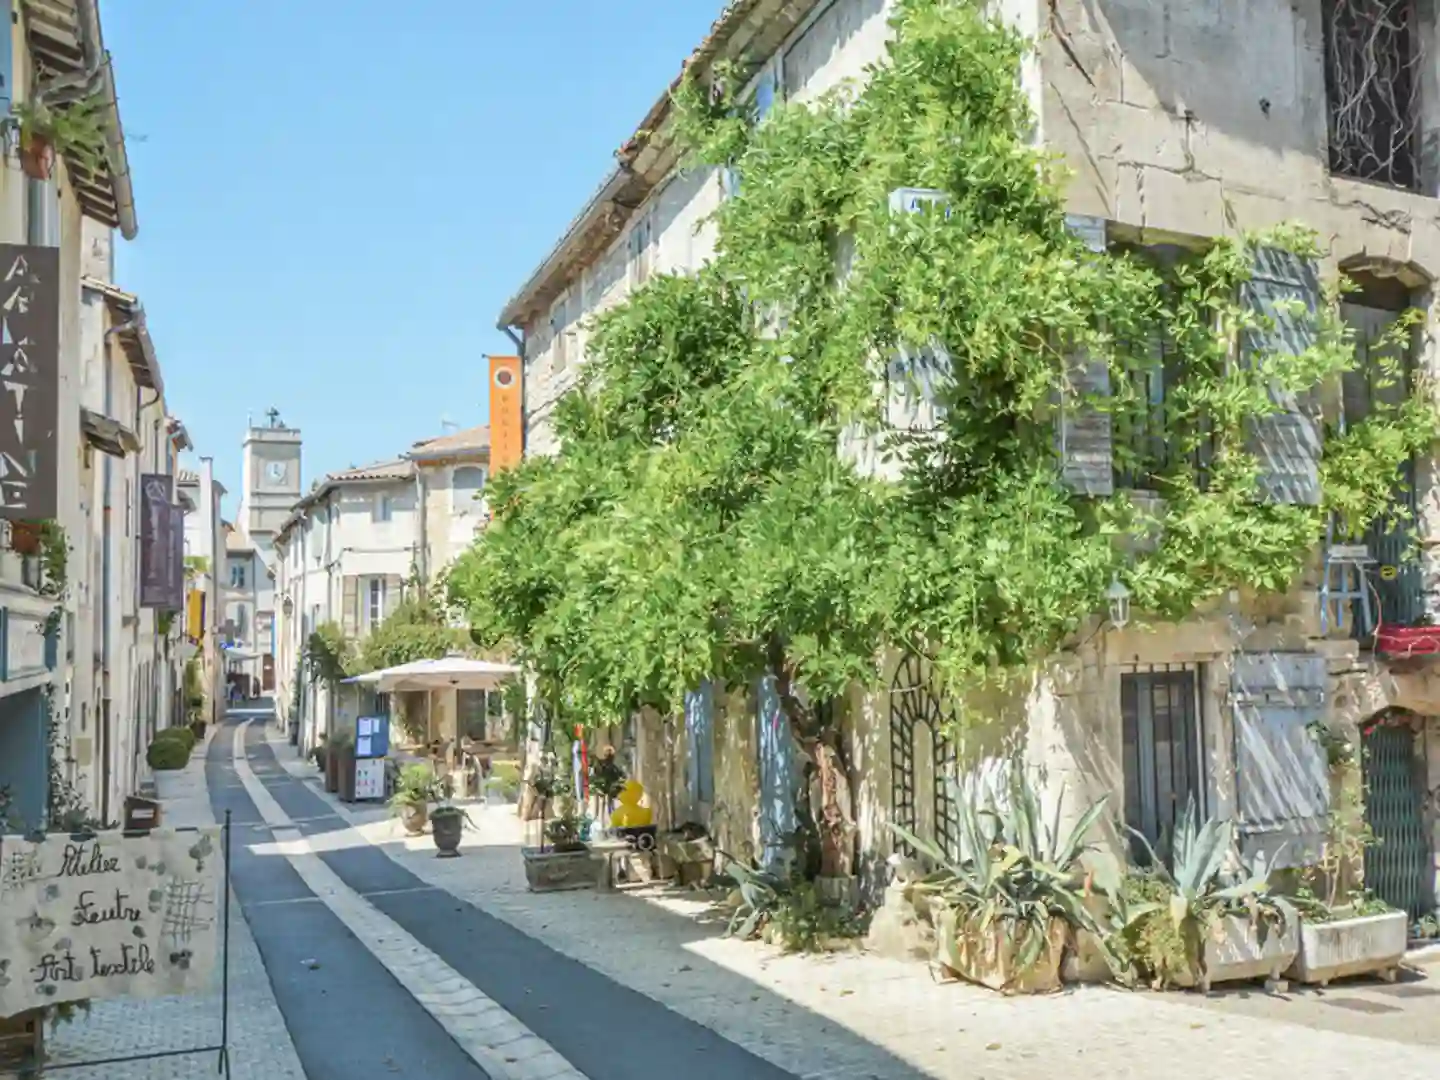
{"points": [[830, 801]]}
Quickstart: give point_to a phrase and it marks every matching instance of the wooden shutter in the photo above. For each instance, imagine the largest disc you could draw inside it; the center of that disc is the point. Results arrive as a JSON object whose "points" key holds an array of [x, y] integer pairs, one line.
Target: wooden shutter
{"points": [[700, 747], [1083, 435], [775, 750], [394, 587], [1284, 289], [350, 605], [1282, 780]]}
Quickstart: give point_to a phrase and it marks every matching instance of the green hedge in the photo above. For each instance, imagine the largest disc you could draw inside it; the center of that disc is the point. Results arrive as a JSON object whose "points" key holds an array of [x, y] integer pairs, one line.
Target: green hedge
{"points": [[169, 753]]}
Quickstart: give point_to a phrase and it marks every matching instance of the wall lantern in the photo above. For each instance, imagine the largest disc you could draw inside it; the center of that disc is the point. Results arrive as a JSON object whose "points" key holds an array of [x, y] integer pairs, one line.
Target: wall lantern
{"points": [[1118, 597], [288, 607]]}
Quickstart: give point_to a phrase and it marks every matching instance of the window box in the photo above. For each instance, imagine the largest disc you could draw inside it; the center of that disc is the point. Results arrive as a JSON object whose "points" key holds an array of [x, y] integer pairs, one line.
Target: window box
{"points": [[1406, 641]]}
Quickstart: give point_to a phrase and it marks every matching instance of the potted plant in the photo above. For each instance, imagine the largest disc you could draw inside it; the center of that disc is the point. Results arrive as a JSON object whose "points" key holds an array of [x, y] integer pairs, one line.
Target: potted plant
{"points": [[1344, 930], [1226, 927], [1008, 906], [76, 131], [415, 790], [448, 823], [317, 755], [565, 863], [607, 780], [337, 758]]}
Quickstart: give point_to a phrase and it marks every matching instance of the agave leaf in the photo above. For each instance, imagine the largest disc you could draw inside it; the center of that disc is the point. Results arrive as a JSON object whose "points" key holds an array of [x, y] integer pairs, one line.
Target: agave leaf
{"points": [[1076, 845], [926, 848], [1179, 909]]}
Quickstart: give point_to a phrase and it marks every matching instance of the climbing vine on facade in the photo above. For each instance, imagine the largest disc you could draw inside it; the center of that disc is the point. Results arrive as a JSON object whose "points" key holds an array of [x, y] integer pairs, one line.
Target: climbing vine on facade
{"points": [[734, 499]]}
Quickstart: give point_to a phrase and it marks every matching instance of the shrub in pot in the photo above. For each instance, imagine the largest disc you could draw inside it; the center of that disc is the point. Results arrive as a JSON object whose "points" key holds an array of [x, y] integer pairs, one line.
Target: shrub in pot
{"points": [[415, 790], [1009, 904], [167, 754]]}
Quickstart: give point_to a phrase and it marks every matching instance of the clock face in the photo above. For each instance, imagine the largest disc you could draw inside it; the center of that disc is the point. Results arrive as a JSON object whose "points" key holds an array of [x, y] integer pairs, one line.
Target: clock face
{"points": [[275, 471]]}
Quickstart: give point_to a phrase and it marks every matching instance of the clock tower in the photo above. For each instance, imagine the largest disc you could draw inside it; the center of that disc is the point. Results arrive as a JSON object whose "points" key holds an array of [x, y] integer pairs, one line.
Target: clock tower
{"points": [[270, 480]]}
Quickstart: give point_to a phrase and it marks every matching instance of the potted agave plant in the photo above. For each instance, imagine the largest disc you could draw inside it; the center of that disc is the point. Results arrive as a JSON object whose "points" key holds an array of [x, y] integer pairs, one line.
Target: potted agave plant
{"points": [[1229, 927], [1007, 908]]}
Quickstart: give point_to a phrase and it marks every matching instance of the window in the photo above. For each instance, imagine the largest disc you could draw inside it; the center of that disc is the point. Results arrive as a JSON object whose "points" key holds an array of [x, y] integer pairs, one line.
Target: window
{"points": [[240, 622], [1373, 69], [638, 247], [383, 509], [237, 575], [473, 713], [1163, 752], [467, 485], [375, 602]]}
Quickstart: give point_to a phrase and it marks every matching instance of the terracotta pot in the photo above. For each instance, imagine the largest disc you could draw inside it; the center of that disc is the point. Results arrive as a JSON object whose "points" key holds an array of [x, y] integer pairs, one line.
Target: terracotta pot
{"points": [[37, 156], [413, 818], [25, 537]]}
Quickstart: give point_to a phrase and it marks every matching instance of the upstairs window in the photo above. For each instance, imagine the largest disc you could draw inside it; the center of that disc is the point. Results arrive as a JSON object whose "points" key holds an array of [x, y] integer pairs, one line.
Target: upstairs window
{"points": [[383, 509], [1373, 69], [237, 575], [467, 484]]}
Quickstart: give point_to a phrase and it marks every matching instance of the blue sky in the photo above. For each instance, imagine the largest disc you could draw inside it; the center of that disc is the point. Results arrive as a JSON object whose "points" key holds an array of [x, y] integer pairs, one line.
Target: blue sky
{"points": [[336, 197]]}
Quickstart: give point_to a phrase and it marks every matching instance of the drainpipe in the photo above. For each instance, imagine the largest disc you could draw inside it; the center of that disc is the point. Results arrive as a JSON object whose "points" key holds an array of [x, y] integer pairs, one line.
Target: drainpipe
{"points": [[519, 342], [422, 555]]}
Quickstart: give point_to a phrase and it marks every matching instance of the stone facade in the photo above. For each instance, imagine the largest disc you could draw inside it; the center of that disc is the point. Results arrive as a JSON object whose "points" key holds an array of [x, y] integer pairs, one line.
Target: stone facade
{"points": [[1161, 152]]}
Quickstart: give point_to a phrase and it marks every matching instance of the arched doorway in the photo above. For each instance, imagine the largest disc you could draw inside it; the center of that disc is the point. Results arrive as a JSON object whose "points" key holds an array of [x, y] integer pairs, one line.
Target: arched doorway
{"points": [[922, 759], [1398, 865]]}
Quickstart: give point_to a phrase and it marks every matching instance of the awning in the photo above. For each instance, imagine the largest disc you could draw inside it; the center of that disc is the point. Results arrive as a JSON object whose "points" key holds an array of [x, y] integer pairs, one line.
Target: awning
{"points": [[450, 672], [106, 435]]}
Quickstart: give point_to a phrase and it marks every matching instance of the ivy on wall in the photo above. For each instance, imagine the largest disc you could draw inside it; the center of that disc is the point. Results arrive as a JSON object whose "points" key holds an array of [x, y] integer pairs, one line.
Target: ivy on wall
{"points": [[704, 518]]}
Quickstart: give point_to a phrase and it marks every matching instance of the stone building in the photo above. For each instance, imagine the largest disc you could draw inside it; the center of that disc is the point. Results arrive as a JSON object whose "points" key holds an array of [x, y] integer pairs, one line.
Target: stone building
{"points": [[1325, 115]]}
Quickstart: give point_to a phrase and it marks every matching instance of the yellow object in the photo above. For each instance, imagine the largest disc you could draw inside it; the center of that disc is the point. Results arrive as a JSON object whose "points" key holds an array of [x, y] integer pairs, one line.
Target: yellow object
{"points": [[630, 814]]}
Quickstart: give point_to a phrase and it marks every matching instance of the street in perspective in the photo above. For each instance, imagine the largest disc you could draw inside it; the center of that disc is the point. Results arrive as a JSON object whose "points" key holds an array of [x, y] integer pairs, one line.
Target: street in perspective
{"points": [[924, 568]]}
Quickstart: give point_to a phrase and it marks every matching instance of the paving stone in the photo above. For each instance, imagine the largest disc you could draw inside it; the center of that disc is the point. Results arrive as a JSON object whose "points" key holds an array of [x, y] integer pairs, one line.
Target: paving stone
{"points": [[854, 1015]]}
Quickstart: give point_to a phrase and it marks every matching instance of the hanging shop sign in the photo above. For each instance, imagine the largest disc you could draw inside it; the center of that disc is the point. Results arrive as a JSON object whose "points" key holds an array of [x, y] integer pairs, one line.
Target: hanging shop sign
{"points": [[29, 380], [108, 915]]}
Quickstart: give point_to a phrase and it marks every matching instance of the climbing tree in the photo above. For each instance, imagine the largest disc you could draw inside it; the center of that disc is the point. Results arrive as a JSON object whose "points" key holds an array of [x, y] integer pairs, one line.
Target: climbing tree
{"points": [[721, 506]]}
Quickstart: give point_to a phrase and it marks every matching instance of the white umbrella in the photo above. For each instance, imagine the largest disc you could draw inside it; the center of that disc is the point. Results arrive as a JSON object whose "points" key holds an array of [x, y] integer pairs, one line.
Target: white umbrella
{"points": [[458, 672]]}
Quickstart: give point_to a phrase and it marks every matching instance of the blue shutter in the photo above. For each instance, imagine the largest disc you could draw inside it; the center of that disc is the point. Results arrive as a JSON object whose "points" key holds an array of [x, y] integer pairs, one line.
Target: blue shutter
{"points": [[778, 775], [1284, 290], [1083, 436], [700, 737], [1282, 778]]}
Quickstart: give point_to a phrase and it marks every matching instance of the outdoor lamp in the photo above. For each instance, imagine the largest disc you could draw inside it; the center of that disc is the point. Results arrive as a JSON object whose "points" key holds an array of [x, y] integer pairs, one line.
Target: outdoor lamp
{"points": [[1118, 597]]}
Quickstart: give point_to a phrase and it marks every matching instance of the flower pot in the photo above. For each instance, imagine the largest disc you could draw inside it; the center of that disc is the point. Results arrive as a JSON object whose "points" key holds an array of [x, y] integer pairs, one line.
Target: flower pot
{"points": [[1235, 953], [332, 769], [1404, 641], [25, 537], [413, 817], [987, 956], [555, 871], [1365, 945], [37, 156], [447, 830]]}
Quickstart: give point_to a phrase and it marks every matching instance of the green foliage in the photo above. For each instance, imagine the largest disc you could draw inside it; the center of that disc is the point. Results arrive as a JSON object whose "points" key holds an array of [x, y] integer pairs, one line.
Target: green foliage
{"points": [[416, 630], [78, 130], [788, 912], [330, 653], [564, 829], [417, 786], [699, 521], [1191, 892], [607, 775], [197, 564], [169, 753], [1017, 872]]}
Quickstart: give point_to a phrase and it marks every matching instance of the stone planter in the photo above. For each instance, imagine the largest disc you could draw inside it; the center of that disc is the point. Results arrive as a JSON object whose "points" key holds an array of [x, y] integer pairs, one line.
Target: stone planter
{"points": [[688, 862], [1235, 953], [1366, 945], [986, 956], [447, 830], [555, 871]]}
